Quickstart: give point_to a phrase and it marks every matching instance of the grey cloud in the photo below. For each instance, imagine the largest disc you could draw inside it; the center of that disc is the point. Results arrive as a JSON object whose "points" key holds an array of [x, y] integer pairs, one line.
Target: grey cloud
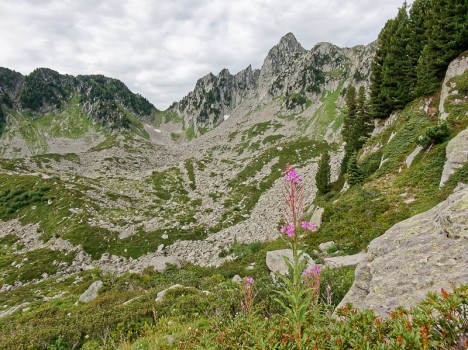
{"points": [[160, 48]]}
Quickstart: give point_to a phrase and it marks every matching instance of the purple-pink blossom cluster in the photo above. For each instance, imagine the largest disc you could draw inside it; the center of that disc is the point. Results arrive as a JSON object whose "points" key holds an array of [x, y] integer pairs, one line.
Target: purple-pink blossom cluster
{"points": [[309, 226], [248, 280], [292, 176], [289, 230], [312, 272]]}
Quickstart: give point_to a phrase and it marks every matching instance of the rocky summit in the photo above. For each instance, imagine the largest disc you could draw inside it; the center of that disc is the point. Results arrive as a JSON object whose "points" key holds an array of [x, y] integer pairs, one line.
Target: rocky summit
{"points": [[122, 225]]}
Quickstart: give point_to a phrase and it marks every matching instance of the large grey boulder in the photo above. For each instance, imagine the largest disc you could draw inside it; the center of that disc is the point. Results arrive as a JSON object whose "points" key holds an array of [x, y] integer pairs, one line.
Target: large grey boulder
{"points": [[345, 261], [424, 253], [457, 67], [317, 217], [457, 155], [91, 293], [276, 264]]}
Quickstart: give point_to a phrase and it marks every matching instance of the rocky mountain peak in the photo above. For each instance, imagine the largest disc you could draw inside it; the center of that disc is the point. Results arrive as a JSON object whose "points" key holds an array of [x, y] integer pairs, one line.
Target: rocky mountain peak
{"points": [[289, 43], [285, 52], [288, 70]]}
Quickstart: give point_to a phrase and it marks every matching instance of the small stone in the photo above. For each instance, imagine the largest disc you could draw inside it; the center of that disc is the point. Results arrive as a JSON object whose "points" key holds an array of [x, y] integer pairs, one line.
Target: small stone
{"points": [[237, 279], [325, 246]]}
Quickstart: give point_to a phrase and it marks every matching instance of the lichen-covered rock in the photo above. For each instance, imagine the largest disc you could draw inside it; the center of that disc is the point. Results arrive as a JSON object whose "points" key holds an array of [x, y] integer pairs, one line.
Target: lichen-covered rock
{"points": [[275, 260], [345, 261], [457, 67], [91, 293], [424, 253], [457, 155]]}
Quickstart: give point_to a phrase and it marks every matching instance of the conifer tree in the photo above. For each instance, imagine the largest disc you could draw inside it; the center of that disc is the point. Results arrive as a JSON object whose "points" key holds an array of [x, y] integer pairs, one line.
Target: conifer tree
{"points": [[365, 124], [322, 178], [396, 65], [355, 175], [447, 36], [417, 27], [357, 123], [378, 101]]}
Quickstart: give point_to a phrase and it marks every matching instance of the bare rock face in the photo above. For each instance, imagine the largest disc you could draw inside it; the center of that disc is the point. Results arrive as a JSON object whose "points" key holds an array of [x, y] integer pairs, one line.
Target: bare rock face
{"points": [[457, 155], [91, 293], [275, 260], [345, 261], [457, 67], [424, 253]]}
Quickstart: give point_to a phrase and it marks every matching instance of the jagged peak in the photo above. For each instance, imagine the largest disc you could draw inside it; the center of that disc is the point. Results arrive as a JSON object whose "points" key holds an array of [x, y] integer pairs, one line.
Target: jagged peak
{"points": [[290, 40], [325, 46], [288, 43], [224, 72]]}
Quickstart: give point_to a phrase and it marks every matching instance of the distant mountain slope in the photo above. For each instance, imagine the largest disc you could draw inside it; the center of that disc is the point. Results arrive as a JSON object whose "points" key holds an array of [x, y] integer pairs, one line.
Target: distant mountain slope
{"points": [[296, 76], [108, 102]]}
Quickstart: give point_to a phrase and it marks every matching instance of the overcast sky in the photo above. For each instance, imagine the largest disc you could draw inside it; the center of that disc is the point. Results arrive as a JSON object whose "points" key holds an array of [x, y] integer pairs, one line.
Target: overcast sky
{"points": [[160, 48]]}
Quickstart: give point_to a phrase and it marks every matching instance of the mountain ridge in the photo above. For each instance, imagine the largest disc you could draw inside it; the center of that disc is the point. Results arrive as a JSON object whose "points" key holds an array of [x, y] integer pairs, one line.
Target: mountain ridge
{"points": [[216, 96]]}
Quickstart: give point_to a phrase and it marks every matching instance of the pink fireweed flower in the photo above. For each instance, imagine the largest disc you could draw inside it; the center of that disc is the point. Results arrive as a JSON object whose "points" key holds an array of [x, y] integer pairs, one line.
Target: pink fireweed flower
{"points": [[289, 230], [312, 272], [249, 280], [291, 175], [309, 226]]}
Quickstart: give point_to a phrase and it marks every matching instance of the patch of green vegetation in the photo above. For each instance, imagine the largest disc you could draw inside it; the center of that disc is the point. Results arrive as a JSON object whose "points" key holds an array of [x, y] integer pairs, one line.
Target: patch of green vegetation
{"points": [[395, 151], [272, 138], [32, 265], [190, 133], [94, 240], [287, 117], [339, 280], [58, 157], [164, 117], [46, 202], [327, 115], [175, 136], [12, 165], [457, 103], [295, 99], [29, 132], [13, 200], [242, 250], [190, 173], [232, 135], [110, 142], [71, 122], [144, 242], [371, 163], [259, 129], [169, 184], [9, 244]]}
